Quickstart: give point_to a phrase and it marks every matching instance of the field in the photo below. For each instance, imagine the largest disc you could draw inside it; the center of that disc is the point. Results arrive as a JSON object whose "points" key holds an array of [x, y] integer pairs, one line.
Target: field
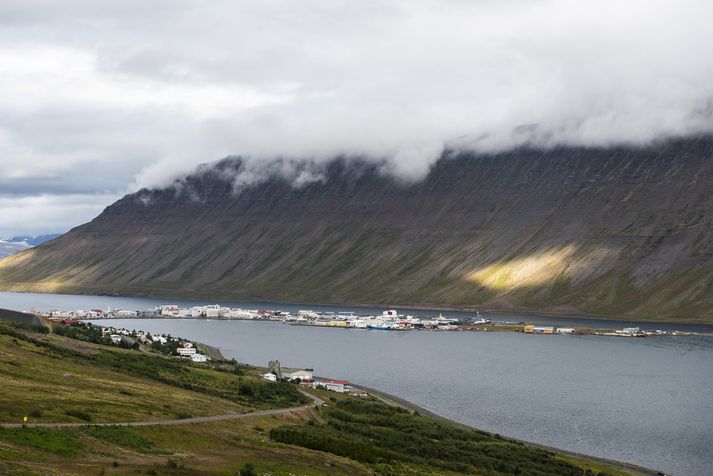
{"points": [[52, 378]]}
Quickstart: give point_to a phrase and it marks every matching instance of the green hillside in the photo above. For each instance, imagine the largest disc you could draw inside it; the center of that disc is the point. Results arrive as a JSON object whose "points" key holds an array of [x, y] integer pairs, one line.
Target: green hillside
{"points": [[55, 379]]}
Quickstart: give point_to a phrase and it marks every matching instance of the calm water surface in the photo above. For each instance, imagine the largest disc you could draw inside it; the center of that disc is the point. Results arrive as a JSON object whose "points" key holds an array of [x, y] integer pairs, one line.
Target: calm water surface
{"points": [[647, 401]]}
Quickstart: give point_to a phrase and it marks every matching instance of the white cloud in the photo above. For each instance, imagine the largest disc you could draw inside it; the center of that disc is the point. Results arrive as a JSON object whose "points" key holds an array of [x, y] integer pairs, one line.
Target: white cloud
{"points": [[34, 215], [104, 97]]}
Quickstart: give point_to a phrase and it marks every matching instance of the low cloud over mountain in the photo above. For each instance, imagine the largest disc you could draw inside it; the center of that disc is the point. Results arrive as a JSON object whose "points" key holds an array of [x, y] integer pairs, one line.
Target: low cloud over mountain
{"points": [[103, 98]]}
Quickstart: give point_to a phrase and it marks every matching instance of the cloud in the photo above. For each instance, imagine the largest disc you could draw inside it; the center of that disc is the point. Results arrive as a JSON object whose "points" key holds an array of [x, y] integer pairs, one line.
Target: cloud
{"points": [[101, 98], [34, 215]]}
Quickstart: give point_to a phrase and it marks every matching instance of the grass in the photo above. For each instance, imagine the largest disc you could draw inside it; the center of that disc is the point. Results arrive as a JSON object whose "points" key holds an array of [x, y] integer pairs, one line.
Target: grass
{"points": [[58, 441], [46, 377]]}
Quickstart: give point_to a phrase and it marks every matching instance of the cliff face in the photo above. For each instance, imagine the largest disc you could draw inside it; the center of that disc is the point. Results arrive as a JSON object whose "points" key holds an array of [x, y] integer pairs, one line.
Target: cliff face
{"points": [[615, 232]]}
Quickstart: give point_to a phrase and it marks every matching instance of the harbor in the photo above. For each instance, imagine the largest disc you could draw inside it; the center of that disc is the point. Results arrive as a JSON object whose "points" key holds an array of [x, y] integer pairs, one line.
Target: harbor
{"points": [[387, 320]]}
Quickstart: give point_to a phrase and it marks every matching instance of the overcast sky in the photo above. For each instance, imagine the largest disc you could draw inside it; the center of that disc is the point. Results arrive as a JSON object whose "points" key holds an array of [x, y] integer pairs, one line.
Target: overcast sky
{"points": [[99, 98]]}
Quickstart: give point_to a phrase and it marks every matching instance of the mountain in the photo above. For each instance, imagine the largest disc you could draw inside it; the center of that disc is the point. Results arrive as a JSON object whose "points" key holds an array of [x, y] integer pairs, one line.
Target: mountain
{"points": [[621, 231], [33, 240], [8, 248]]}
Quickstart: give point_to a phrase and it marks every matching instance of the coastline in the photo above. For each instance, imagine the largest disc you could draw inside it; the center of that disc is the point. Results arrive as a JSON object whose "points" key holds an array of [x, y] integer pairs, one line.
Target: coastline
{"points": [[204, 297], [431, 414]]}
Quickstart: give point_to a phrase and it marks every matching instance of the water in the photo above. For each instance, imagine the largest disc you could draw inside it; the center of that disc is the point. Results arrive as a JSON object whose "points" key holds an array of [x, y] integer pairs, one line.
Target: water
{"points": [[647, 401]]}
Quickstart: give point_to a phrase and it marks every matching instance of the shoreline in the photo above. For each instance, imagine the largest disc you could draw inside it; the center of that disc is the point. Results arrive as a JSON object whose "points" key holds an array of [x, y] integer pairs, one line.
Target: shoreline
{"points": [[388, 398], [399, 401], [423, 307]]}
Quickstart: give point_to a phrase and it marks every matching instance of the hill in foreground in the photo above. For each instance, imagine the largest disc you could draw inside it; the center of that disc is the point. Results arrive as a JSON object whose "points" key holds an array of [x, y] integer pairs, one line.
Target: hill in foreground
{"points": [[53, 378], [602, 231]]}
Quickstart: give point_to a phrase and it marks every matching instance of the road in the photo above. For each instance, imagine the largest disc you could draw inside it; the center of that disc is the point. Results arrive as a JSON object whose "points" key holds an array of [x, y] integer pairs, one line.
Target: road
{"points": [[229, 416]]}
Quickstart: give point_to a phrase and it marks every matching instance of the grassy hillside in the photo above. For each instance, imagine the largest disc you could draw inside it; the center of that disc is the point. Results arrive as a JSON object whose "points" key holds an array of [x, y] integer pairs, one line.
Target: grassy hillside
{"points": [[608, 232], [53, 378]]}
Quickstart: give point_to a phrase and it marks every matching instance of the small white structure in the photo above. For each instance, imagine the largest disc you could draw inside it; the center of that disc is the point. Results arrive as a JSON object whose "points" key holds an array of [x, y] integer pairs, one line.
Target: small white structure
{"points": [[339, 386], [186, 350], [565, 330], [115, 338], [304, 375], [199, 358], [270, 376], [169, 310]]}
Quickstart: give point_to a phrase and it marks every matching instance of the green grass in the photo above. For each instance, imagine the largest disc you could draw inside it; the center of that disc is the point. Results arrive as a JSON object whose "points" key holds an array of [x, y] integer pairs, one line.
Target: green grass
{"points": [[47, 378], [119, 436], [58, 441]]}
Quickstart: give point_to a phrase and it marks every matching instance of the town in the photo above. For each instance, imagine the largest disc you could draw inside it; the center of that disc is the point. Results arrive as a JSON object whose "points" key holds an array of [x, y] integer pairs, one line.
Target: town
{"points": [[388, 320]]}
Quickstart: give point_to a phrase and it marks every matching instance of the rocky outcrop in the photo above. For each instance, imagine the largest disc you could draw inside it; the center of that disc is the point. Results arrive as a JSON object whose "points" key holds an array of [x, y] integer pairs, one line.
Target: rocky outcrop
{"points": [[610, 232]]}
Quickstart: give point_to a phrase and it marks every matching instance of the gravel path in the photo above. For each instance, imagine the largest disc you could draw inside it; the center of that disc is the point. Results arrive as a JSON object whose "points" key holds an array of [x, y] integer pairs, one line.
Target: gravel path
{"points": [[229, 416]]}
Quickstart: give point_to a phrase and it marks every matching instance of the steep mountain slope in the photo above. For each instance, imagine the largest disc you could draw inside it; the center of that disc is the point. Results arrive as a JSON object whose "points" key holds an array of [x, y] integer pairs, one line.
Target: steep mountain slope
{"points": [[618, 231]]}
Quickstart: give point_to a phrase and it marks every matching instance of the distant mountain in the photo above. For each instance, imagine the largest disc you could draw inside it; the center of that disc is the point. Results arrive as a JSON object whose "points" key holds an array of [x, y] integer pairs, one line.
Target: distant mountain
{"points": [[7, 248], [33, 240], [604, 231]]}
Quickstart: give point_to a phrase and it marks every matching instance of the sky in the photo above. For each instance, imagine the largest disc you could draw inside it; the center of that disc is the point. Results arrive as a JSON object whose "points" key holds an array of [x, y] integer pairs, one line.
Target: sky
{"points": [[99, 99]]}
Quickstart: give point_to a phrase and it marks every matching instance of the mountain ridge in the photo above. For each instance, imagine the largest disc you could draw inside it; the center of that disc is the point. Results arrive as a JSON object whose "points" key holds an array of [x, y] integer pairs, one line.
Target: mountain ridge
{"points": [[610, 232]]}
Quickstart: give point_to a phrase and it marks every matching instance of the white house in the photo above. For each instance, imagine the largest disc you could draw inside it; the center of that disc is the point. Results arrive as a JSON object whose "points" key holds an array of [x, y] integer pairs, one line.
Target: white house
{"points": [[270, 376], [198, 358], [565, 330], [115, 338], [339, 386], [186, 350]]}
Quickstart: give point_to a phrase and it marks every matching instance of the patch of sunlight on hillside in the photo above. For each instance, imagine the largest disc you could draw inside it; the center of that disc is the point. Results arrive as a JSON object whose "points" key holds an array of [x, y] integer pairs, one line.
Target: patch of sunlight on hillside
{"points": [[527, 271]]}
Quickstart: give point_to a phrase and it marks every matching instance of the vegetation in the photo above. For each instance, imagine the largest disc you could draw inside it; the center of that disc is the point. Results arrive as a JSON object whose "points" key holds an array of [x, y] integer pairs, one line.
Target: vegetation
{"points": [[58, 441], [119, 436], [55, 378], [392, 440]]}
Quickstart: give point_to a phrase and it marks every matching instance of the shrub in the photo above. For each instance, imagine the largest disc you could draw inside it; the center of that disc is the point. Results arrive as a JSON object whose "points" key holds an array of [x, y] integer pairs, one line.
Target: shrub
{"points": [[82, 415], [248, 470]]}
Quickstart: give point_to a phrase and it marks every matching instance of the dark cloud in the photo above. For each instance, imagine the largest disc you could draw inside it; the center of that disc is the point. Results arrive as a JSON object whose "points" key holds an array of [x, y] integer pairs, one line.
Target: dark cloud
{"points": [[100, 98]]}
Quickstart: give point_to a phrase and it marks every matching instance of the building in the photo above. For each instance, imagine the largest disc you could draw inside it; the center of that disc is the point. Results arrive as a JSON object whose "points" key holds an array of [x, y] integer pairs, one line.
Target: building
{"points": [[168, 311], [339, 386], [187, 350], [565, 330], [531, 329], [198, 357], [305, 375], [115, 338], [270, 376]]}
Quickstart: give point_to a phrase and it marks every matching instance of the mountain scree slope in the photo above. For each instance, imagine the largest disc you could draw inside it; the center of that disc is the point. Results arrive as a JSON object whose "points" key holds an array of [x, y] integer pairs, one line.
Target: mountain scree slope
{"points": [[602, 231]]}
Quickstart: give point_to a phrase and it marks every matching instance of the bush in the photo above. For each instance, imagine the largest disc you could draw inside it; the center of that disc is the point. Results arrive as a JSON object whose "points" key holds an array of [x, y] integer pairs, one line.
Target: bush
{"points": [[389, 437], [248, 470], [82, 415]]}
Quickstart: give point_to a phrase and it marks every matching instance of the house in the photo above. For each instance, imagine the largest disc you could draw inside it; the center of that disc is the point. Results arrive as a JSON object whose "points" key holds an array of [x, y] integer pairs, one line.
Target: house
{"points": [[305, 375], [115, 338], [565, 330], [339, 386], [270, 376], [531, 329], [198, 358], [186, 350]]}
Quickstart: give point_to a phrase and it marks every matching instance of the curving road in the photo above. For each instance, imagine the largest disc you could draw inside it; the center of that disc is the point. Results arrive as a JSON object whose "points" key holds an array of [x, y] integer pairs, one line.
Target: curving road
{"points": [[229, 416]]}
